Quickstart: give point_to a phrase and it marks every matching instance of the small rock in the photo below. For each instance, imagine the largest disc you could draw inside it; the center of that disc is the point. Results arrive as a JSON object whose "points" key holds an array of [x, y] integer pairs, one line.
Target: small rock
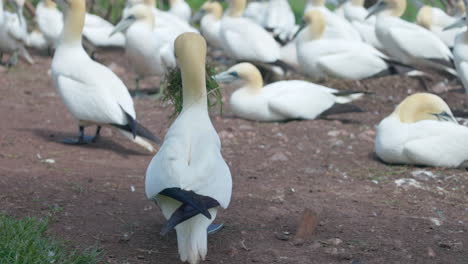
{"points": [[49, 161], [245, 127], [333, 133], [225, 134], [367, 135], [281, 236], [298, 242], [331, 251], [407, 183], [430, 252], [279, 156], [116, 68], [333, 241]]}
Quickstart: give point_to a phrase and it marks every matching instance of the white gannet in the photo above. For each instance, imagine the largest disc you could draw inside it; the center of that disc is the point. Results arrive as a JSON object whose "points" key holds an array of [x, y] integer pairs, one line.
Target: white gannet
{"points": [[50, 21], [279, 18], [256, 10], [13, 33], [162, 18], [244, 40], [320, 57], [210, 24], [337, 27], [460, 51], [356, 14], [92, 92], [149, 49], [407, 42], [422, 131], [435, 20], [181, 9], [188, 178], [283, 100]]}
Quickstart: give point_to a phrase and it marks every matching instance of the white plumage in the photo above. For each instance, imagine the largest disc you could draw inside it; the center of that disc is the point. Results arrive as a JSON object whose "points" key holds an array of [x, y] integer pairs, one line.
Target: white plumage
{"points": [[181, 9], [283, 100], [91, 92], [50, 21], [210, 24], [422, 131], [190, 158]]}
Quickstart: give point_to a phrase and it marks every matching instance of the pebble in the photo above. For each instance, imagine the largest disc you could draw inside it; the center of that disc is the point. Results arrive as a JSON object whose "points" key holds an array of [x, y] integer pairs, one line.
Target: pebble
{"points": [[279, 156], [282, 236]]}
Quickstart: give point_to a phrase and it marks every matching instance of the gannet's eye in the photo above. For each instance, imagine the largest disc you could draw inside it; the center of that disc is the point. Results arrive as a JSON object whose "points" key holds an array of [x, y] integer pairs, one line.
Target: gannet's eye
{"points": [[234, 74]]}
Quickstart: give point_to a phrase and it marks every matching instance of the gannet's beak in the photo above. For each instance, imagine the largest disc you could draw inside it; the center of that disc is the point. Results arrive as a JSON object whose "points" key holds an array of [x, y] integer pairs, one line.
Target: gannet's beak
{"points": [[377, 8], [461, 22], [123, 25], [198, 16], [226, 77], [444, 116], [301, 27]]}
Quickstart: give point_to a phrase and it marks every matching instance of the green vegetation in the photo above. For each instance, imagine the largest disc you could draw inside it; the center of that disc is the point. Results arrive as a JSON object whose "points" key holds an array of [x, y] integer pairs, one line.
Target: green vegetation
{"points": [[173, 90], [23, 241]]}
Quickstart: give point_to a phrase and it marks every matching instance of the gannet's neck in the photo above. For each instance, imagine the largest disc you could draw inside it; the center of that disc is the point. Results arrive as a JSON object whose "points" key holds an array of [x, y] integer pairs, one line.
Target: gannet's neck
{"points": [[74, 22], [194, 85], [357, 2], [151, 3]]}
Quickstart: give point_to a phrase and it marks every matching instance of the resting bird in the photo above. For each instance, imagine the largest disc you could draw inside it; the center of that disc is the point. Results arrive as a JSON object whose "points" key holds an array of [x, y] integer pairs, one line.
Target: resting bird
{"points": [[149, 48], [407, 42], [188, 178], [422, 131], [321, 57], [435, 20], [50, 22], [283, 100], [460, 50], [92, 92]]}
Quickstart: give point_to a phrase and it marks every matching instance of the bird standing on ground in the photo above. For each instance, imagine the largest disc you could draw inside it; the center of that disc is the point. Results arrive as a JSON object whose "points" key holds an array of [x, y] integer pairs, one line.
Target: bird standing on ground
{"points": [[149, 48], [92, 92], [283, 100], [188, 178], [422, 131], [50, 22]]}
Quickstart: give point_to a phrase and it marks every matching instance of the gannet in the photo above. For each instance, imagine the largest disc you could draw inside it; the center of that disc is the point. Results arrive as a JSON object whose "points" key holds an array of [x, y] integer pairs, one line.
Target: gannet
{"points": [[320, 57], [407, 42], [356, 14], [337, 27], [435, 20], [92, 92], [162, 18], [283, 100], [256, 11], [460, 50], [422, 131], [50, 21], [210, 24], [149, 49], [13, 34], [97, 31], [181, 9], [245, 40], [188, 178], [37, 40]]}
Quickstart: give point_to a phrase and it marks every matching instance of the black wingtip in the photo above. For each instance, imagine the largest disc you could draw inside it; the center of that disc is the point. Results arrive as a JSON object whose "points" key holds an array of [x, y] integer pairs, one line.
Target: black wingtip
{"points": [[192, 205], [137, 129], [283, 65], [341, 109]]}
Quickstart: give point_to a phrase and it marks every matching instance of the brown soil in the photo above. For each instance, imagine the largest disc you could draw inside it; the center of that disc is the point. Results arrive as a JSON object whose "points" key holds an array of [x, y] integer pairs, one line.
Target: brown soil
{"points": [[278, 170]]}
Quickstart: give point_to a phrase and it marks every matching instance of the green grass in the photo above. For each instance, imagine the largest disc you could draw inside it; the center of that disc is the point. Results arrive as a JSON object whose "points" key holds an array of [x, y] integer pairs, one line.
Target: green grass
{"points": [[24, 242]]}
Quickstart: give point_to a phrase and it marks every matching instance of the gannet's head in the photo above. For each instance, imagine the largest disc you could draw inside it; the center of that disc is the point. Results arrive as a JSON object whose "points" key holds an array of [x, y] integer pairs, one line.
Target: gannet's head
{"points": [[315, 22], [424, 17], [461, 22], [461, 6], [242, 74], [390, 7], [213, 8], [236, 8], [190, 53], [138, 12], [423, 106]]}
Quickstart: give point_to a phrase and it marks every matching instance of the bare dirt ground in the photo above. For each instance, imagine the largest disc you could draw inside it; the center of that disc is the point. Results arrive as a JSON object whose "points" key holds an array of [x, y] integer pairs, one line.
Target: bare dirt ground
{"points": [[95, 193]]}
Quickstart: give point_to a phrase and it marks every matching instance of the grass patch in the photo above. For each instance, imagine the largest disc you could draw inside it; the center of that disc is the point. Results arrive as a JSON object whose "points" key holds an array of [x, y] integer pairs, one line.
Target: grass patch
{"points": [[173, 90], [23, 241]]}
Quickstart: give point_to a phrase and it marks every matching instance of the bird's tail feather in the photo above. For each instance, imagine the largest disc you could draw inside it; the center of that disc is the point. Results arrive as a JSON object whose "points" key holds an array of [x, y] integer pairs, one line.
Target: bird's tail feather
{"points": [[192, 238], [341, 109], [138, 140]]}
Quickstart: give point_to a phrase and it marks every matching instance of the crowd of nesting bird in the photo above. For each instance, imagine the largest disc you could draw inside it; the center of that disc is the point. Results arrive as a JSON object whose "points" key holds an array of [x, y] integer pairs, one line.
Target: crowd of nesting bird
{"points": [[188, 177]]}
